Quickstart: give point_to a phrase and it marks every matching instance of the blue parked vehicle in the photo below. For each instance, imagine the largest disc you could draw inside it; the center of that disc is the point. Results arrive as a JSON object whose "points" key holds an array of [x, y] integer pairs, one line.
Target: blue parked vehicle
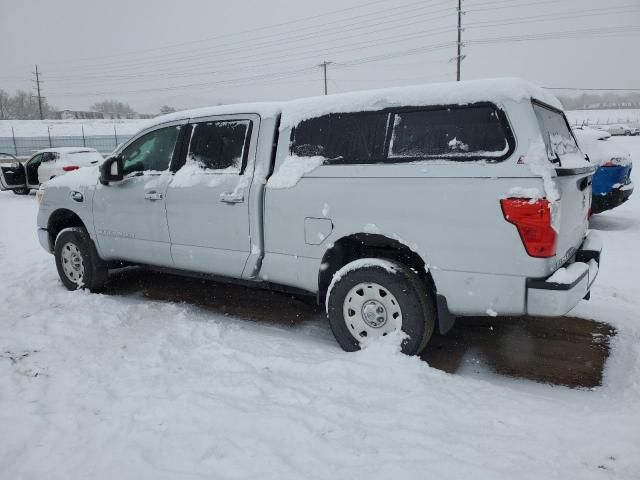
{"points": [[612, 183]]}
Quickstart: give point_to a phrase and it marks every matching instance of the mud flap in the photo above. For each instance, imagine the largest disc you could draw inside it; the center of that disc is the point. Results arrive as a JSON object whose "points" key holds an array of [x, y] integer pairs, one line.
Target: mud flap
{"points": [[446, 321]]}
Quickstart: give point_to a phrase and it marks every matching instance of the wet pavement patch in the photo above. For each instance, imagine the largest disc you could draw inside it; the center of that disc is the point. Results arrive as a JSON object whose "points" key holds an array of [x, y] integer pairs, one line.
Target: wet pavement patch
{"points": [[565, 351], [561, 351]]}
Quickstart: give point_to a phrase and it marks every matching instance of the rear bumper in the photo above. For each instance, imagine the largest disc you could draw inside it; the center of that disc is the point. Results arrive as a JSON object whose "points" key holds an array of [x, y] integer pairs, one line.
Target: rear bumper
{"points": [[616, 197], [559, 293]]}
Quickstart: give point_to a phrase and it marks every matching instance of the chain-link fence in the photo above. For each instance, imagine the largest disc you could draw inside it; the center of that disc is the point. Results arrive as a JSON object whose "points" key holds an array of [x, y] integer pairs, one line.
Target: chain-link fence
{"points": [[23, 143]]}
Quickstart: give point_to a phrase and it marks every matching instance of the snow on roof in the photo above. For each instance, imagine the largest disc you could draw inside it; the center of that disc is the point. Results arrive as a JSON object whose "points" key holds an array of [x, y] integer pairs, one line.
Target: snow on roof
{"points": [[264, 109], [450, 93], [68, 150]]}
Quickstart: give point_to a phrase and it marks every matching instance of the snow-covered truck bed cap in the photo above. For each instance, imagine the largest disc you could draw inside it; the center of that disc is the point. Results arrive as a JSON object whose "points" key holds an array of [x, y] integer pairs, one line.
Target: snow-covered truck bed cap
{"points": [[493, 90], [448, 93]]}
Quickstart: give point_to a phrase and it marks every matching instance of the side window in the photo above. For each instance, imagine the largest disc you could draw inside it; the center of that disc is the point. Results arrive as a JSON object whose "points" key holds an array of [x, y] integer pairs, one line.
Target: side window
{"points": [[459, 133], [342, 138], [555, 131], [151, 152], [36, 160], [220, 145], [49, 156]]}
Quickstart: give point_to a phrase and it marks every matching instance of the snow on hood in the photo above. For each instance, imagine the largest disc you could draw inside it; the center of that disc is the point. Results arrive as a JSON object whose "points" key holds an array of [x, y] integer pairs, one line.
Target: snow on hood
{"points": [[450, 93], [81, 177], [599, 148]]}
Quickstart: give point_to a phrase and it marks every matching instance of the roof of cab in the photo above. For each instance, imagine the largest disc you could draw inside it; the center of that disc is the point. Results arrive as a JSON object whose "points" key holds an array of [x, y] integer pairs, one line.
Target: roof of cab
{"points": [[264, 109], [448, 93]]}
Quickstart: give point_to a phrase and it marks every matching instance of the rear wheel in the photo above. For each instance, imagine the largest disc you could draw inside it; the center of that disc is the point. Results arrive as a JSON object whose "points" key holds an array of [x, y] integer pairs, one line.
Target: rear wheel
{"points": [[77, 260], [21, 191], [371, 298]]}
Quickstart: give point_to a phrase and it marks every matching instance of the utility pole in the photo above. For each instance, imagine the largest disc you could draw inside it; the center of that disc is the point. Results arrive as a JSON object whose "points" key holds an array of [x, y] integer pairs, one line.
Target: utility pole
{"points": [[324, 68], [39, 95], [459, 57]]}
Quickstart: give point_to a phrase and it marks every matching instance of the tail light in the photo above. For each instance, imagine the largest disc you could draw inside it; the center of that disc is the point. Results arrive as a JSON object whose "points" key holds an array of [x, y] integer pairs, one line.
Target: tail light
{"points": [[70, 168], [533, 219], [615, 162]]}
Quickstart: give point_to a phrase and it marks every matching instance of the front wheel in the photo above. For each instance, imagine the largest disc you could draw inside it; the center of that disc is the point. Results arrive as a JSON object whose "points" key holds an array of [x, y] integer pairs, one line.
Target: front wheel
{"points": [[21, 191], [371, 298], [77, 260]]}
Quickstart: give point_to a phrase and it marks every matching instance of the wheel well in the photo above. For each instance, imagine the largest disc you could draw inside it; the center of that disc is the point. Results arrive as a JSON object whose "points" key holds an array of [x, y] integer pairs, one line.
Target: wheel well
{"points": [[61, 219], [362, 245]]}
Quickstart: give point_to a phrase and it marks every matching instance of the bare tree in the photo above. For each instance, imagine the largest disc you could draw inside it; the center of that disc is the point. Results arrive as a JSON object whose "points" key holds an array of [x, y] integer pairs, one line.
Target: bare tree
{"points": [[21, 106], [4, 104], [113, 106], [166, 109]]}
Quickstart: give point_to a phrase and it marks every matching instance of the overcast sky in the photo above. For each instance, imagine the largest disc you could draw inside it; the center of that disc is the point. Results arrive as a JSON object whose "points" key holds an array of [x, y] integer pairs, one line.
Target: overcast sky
{"points": [[190, 53]]}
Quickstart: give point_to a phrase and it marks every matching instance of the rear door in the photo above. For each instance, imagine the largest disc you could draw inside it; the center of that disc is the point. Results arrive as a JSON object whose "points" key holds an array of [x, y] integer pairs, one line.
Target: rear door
{"points": [[573, 179], [208, 199], [129, 215]]}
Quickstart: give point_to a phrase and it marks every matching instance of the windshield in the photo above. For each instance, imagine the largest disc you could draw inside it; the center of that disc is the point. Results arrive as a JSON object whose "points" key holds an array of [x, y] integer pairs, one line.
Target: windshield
{"points": [[555, 132]]}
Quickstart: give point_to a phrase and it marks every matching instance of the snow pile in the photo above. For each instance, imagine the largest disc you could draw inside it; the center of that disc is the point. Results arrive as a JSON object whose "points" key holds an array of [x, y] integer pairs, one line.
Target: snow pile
{"points": [[75, 179], [523, 192], [569, 274], [538, 162], [292, 169]]}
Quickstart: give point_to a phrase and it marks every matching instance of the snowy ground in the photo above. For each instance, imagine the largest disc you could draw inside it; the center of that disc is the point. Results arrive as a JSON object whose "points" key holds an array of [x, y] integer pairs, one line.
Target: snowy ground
{"points": [[120, 386]]}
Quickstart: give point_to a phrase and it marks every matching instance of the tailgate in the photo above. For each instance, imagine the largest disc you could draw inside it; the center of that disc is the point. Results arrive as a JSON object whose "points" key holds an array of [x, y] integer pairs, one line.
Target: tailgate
{"points": [[572, 215]]}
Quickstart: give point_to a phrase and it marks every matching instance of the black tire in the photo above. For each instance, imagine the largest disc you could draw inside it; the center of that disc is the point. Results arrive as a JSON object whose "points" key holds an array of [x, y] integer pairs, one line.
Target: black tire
{"points": [[21, 191], [415, 302], [94, 272]]}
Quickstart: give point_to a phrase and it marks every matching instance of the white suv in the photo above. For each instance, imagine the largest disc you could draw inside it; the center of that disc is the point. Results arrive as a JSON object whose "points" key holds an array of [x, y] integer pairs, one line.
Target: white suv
{"points": [[47, 164]]}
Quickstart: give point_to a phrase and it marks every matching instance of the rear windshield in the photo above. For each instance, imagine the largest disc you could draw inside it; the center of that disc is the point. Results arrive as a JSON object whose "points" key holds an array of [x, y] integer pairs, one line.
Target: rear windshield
{"points": [[461, 133], [557, 136]]}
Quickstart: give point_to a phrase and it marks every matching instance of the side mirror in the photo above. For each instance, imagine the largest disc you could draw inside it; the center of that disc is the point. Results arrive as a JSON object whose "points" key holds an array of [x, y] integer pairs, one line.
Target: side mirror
{"points": [[111, 170]]}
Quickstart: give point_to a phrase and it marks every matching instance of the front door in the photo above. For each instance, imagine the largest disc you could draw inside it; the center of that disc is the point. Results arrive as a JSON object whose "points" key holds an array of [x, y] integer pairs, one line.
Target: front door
{"points": [[208, 199], [129, 215]]}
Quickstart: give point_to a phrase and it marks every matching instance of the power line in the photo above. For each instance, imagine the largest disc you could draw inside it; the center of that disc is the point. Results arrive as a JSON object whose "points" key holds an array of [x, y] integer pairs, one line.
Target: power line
{"points": [[262, 40], [554, 17], [294, 51]]}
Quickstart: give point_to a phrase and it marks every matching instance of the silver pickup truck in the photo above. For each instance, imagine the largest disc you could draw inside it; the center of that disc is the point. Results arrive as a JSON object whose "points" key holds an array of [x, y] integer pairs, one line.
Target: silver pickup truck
{"points": [[399, 209]]}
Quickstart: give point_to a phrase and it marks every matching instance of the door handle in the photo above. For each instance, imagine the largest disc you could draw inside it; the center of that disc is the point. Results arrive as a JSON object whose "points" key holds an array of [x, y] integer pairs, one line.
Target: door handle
{"points": [[232, 197], [153, 196]]}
